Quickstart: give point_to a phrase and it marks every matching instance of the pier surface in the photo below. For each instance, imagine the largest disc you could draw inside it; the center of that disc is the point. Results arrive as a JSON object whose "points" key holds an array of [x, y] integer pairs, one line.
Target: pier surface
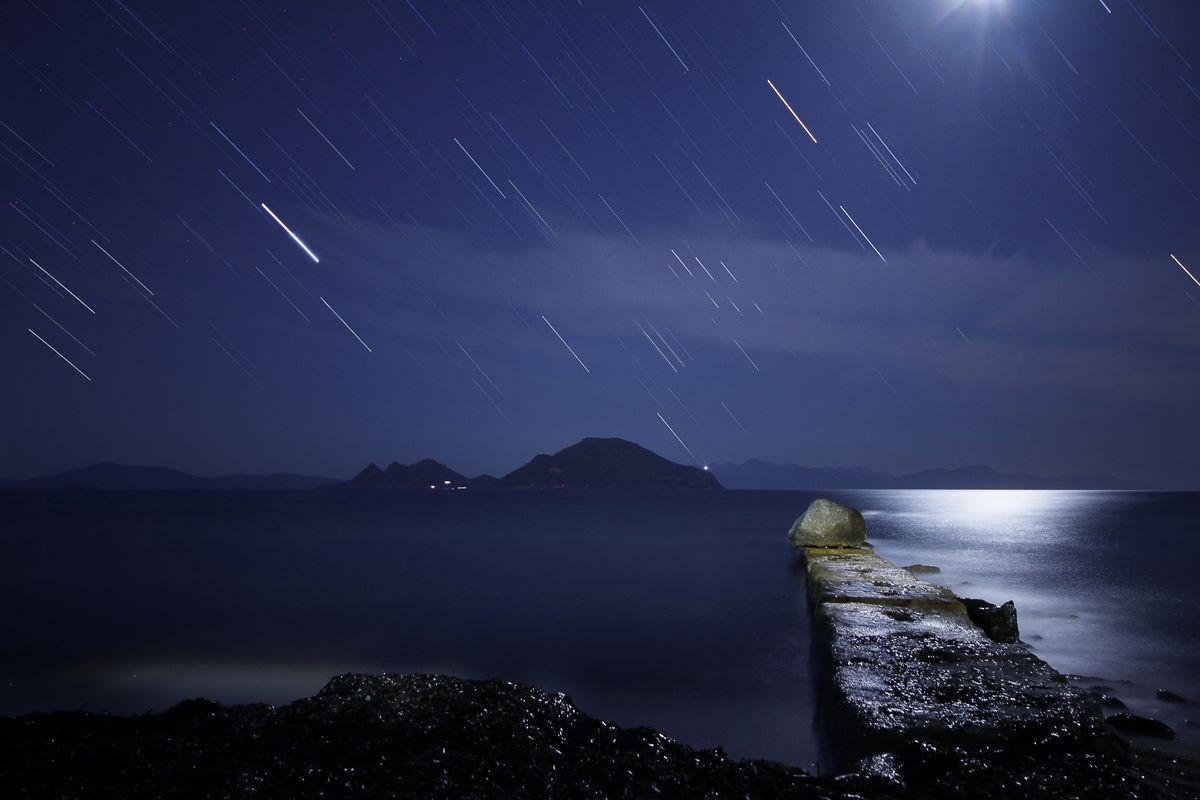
{"points": [[913, 690]]}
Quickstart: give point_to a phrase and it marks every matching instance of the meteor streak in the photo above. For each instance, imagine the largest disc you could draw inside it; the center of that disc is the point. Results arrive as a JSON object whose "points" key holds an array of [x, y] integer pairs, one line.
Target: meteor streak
{"points": [[77, 369], [240, 153], [326, 138], [672, 49], [793, 111], [656, 347], [339, 316], [676, 435], [864, 235], [1185, 269], [295, 238], [564, 341], [806, 55], [481, 169], [747, 355], [284, 296], [734, 418], [122, 266], [65, 289], [531, 206]]}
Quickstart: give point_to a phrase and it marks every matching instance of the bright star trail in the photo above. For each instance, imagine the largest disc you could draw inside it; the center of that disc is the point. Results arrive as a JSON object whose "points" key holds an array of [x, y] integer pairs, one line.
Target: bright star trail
{"points": [[60, 355], [792, 111], [564, 341], [676, 435], [1185, 269], [61, 286], [347, 324], [970, 252], [860, 230], [295, 238]]}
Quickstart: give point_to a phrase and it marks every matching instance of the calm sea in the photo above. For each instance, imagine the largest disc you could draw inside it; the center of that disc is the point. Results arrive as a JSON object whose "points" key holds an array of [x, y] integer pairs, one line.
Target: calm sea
{"points": [[683, 611]]}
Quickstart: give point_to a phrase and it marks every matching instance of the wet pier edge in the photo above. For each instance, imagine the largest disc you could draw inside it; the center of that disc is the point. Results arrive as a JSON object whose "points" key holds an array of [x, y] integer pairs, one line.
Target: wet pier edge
{"points": [[937, 693]]}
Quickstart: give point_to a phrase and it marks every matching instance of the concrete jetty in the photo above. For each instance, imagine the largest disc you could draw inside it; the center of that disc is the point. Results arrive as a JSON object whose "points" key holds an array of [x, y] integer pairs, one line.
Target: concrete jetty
{"points": [[912, 689]]}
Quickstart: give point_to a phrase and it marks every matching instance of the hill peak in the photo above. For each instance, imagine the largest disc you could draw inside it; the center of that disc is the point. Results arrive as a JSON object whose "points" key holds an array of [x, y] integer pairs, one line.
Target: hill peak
{"points": [[608, 462]]}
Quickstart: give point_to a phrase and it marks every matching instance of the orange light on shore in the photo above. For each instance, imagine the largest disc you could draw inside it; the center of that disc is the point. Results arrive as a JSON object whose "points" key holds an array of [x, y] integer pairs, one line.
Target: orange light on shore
{"points": [[789, 108]]}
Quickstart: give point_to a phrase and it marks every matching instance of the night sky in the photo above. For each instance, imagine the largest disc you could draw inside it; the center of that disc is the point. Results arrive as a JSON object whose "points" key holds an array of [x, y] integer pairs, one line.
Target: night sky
{"points": [[886, 234]]}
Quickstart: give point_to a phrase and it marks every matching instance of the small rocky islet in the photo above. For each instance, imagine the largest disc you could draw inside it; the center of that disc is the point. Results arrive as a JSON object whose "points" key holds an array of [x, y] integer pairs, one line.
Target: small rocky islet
{"points": [[923, 695]]}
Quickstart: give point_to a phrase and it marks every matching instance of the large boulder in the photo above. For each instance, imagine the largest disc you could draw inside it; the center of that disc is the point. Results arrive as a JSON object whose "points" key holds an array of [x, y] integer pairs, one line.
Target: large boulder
{"points": [[828, 524]]}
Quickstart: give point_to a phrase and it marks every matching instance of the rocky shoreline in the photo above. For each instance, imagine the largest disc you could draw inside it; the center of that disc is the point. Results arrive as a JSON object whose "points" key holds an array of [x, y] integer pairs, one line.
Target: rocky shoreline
{"points": [[402, 736]]}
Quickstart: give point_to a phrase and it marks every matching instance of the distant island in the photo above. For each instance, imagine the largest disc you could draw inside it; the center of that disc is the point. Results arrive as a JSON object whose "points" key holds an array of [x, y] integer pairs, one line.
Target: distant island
{"points": [[127, 477], [591, 463], [756, 474]]}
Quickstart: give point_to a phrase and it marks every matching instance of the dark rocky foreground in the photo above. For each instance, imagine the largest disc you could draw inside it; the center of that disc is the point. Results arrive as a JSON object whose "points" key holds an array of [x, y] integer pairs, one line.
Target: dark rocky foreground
{"points": [[409, 736]]}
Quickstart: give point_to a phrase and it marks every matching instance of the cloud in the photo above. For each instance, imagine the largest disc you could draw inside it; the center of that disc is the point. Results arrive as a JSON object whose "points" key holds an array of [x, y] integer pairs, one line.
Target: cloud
{"points": [[988, 319]]}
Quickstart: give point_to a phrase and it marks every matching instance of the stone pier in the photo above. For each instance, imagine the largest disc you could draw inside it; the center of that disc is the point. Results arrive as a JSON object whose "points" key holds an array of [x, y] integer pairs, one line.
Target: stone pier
{"points": [[912, 689]]}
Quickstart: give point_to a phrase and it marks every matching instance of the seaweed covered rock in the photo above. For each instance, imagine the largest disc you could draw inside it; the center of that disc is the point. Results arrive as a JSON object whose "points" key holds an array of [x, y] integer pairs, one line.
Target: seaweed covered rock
{"points": [[828, 524]]}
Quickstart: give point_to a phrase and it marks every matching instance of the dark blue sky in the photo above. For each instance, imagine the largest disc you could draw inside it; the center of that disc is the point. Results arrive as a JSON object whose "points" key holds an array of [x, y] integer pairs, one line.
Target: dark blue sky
{"points": [[971, 263]]}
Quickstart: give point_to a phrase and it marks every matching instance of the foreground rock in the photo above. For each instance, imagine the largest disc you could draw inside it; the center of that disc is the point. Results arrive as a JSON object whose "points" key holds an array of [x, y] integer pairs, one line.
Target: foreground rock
{"points": [[1141, 726], [1166, 695], [915, 690], [999, 623], [406, 736], [829, 524]]}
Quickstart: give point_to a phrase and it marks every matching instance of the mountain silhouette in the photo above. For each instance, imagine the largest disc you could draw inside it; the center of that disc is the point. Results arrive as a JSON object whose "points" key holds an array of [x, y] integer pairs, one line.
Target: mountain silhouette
{"points": [[592, 463], [425, 474], [129, 477], [596, 463]]}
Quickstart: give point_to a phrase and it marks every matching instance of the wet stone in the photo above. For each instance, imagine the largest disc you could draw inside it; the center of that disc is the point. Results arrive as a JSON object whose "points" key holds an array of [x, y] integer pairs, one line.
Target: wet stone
{"points": [[914, 691], [931, 674], [861, 576]]}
